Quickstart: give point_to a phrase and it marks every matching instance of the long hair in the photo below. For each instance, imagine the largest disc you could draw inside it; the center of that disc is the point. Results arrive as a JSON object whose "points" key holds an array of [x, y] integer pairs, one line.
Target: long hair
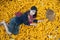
{"points": [[34, 8], [34, 16]]}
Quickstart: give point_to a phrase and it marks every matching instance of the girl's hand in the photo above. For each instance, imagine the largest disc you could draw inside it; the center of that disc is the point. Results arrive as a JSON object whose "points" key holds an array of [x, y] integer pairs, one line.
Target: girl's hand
{"points": [[41, 20], [33, 24]]}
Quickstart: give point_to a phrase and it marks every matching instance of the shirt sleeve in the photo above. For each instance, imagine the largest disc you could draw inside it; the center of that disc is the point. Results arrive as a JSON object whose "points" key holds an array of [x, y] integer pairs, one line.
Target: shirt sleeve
{"points": [[25, 20], [35, 21]]}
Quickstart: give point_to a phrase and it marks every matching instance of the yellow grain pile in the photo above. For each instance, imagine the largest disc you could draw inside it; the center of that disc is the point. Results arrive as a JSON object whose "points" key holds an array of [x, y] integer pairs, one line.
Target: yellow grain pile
{"points": [[46, 30]]}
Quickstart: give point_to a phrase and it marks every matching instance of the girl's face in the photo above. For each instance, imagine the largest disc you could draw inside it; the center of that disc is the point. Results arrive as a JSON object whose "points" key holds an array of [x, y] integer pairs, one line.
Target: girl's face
{"points": [[32, 12]]}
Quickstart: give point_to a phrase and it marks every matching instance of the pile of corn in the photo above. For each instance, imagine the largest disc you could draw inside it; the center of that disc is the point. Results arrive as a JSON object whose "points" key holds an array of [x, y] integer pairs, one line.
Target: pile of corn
{"points": [[47, 30]]}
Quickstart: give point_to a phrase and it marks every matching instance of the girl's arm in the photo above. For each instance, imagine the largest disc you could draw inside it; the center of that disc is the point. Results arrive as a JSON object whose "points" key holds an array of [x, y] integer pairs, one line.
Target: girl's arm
{"points": [[40, 20], [35, 22]]}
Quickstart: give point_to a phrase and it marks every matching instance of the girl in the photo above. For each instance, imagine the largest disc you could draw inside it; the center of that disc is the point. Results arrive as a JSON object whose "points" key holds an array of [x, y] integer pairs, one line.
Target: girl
{"points": [[27, 18]]}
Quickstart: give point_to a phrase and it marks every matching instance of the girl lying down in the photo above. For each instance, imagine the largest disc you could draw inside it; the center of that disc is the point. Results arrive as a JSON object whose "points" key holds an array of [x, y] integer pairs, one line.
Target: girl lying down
{"points": [[27, 18]]}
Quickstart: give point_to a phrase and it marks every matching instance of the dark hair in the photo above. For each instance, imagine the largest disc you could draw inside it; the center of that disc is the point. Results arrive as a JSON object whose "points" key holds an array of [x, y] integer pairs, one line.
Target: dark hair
{"points": [[34, 8]]}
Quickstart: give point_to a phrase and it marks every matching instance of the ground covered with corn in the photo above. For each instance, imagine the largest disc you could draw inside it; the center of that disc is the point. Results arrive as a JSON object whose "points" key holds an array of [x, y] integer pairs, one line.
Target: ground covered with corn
{"points": [[47, 30]]}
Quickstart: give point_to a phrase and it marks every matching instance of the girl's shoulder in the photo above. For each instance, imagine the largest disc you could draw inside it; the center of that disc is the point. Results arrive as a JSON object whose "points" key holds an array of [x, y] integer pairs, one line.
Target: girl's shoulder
{"points": [[27, 12]]}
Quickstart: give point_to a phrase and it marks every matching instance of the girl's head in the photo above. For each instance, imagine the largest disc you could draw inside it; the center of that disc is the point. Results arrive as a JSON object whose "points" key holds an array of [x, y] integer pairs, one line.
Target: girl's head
{"points": [[33, 11]]}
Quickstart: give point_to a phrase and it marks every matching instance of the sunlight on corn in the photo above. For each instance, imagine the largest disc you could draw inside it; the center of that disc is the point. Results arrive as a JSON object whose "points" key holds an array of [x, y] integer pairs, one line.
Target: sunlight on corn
{"points": [[47, 30]]}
